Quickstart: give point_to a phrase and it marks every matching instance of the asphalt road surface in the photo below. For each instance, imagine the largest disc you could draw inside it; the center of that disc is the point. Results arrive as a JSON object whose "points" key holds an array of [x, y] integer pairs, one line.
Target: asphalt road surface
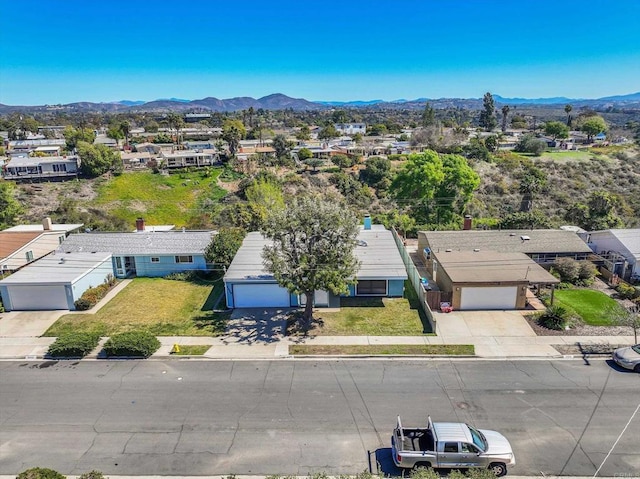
{"points": [[297, 417]]}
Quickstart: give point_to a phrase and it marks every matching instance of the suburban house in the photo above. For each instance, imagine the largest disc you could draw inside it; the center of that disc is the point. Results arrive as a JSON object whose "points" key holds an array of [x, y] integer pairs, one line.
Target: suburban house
{"points": [[144, 253], [39, 168], [381, 273], [20, 245], [55, 281], [351, 128], [483, 280], [543, 246], [186, 158], [620, 249]]}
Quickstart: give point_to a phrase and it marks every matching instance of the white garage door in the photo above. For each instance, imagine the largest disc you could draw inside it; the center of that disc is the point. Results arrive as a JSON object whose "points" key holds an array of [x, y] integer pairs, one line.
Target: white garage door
{"points": [[260, 296], [25, 298], [503, 297]]}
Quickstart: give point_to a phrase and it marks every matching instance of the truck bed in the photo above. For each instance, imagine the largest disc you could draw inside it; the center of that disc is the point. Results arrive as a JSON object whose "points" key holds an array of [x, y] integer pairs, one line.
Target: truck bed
{"points": [[417, 440]]}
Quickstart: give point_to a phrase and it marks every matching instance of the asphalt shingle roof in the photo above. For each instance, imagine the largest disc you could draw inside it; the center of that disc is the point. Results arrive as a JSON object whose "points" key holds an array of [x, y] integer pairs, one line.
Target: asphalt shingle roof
{"points": [[58, 268], [377, 252], [507, 241], [489, 266], [140, 243]]}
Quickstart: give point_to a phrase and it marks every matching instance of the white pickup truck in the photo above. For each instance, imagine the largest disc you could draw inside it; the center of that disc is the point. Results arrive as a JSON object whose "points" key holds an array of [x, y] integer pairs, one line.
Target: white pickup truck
{"points": [[454, 445]]}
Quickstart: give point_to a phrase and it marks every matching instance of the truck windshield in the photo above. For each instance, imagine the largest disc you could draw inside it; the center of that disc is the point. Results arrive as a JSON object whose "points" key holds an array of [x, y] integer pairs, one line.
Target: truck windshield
{"points": [[478, 438]]}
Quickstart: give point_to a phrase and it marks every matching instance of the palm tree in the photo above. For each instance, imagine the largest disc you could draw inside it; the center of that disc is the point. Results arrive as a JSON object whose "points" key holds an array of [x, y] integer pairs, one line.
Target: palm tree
{"points": [[567, 110]]}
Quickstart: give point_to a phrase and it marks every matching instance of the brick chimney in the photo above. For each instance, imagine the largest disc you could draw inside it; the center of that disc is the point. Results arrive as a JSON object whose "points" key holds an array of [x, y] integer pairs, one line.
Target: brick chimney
{"points": [[468, 222], [46, 224], [140, 224]]}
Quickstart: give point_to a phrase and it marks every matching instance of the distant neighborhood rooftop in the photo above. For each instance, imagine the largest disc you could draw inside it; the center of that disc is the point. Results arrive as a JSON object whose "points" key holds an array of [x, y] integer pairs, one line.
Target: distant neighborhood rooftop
{"points": [[139, 243], [523, 241]]}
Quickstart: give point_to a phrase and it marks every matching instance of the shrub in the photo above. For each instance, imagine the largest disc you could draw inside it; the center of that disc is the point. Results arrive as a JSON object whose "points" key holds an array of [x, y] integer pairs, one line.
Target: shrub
{"points": [[587, 271], [83, 304], [40, 473], [73, 345], [626, 291], [424, 473], [92, 475], [132, 343], [479, 473], [568, 269], [555, 317]]}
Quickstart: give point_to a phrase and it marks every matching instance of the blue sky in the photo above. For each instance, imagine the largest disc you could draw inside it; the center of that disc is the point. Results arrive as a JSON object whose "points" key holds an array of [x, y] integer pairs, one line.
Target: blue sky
{"points": [[61, 51]]}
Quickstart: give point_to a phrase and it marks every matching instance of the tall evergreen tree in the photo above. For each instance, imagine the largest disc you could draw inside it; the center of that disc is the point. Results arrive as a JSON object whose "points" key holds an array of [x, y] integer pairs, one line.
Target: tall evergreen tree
{"points": [[488, 114]]}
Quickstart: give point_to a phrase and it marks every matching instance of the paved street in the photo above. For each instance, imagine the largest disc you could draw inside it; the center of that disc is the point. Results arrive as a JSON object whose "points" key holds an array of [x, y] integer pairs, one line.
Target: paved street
{"points": [[295, 417]]}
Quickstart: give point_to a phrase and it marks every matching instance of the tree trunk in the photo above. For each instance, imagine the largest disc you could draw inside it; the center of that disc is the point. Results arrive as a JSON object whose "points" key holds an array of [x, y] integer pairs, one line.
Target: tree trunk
{"points": [[308, 307]]}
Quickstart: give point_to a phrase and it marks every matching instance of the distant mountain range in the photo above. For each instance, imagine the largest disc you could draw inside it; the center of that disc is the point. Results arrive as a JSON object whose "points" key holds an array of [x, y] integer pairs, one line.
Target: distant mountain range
{"points": [[278, 101]]}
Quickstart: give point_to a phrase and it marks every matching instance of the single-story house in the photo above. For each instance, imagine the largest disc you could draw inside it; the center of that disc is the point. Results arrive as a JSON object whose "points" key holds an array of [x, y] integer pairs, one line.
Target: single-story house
{"points": [[482, 280], [186, 158], [33, 168], [543, 246], [22, 244], [144, 253], [620, 248], [55, 281], [381, 273]]}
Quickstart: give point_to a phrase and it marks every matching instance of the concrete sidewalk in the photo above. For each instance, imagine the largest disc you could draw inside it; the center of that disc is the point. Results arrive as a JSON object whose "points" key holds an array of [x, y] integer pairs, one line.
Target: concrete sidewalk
{"points": [[223, 348]]}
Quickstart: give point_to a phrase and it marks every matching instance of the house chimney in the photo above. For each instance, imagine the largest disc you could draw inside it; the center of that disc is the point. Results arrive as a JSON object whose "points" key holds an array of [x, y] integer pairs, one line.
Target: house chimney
{"points": [[140, 224], [467, 222], [367, 222], [46, 224]]}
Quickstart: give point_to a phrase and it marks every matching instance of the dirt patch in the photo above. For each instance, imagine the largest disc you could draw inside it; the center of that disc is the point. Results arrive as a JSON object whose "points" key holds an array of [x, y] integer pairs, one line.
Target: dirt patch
{"points": [[580, 330], [44, 198], [590, 349]]}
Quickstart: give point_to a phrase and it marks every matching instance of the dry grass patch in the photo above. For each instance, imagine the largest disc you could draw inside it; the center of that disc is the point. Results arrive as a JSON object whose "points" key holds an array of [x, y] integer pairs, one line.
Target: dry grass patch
{"points": [[384, 350], [160, 306]]}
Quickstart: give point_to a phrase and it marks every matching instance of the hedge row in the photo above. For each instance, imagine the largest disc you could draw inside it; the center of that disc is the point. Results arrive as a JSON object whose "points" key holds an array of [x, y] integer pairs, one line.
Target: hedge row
{"points": [[44, 473], [132, 344], [91, 296], [139, 344], [73, 345]]}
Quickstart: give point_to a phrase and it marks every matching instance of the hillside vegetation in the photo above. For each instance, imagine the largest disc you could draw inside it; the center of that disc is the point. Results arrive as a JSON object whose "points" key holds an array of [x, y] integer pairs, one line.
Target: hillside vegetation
{"points": [[567, 182]]}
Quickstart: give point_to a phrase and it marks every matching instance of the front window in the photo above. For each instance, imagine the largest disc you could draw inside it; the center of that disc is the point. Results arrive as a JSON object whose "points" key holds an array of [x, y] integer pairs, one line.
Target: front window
{"points": [[155, 259], [478, 438], [184, 259], [372, 287]]}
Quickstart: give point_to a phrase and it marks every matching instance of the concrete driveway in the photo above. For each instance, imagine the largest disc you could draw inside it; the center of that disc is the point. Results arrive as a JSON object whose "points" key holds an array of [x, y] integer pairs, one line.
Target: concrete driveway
{"points": [[26, 324], [256, 325], [482, 324]]}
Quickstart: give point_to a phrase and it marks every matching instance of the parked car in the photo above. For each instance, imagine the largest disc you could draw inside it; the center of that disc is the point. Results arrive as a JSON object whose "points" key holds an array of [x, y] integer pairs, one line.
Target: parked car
{"points": [[628, 358], [450, 445]]}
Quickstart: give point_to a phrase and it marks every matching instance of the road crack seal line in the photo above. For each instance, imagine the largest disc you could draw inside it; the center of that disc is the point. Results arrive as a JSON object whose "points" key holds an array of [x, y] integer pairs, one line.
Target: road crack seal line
{"points": [[578, 445], [368, 417], [364, 447]]}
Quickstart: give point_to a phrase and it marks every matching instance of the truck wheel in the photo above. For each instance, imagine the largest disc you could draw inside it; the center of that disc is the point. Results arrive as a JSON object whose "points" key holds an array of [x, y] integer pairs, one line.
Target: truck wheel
{"points": [[421, 465], [498, 468]]}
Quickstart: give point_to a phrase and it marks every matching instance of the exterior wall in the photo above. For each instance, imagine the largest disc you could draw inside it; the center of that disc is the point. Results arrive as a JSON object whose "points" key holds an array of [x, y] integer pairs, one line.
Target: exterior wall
{"points": [[93, 278], [41, 246], [166, 265], [395, 288]]}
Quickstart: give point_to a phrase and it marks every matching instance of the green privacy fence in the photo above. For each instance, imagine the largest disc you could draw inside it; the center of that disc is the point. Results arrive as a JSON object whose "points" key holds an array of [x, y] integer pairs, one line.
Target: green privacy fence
{"points": [[414, 279]]}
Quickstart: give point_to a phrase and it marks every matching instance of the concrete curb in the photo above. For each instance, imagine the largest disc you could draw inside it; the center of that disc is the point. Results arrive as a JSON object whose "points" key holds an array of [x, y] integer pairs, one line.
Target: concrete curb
{"points": [[225, 476]]}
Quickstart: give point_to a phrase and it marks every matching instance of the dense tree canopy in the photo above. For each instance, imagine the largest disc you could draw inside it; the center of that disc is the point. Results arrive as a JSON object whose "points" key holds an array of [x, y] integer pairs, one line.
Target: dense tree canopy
{"points": [[96, 160], [232, 132], [313, 248], [556, 129], [593, 125], [10, 207], [224, 246], [488, 119], [73, 136], [436, 187]]}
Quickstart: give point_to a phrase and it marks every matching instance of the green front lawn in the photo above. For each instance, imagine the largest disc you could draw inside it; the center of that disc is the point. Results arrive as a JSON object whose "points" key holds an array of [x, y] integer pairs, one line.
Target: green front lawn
{"points": [[369, 317], [160, 306], [160, 199], [591, 305]]}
